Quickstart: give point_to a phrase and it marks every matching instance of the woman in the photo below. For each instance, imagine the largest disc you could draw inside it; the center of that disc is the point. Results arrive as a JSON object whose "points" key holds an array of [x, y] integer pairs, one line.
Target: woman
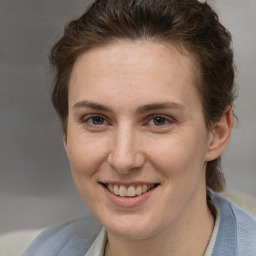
{"points": [[144, 90]]}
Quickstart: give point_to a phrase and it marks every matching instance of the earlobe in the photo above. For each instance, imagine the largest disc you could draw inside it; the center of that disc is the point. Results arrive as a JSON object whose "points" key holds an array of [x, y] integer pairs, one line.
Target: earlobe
{"points": [[220, 135]]}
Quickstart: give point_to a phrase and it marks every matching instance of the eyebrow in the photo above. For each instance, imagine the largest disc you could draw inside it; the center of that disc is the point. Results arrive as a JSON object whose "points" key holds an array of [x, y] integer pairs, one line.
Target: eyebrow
{"points": [[162, 105], [92, 105], [140, 109]]}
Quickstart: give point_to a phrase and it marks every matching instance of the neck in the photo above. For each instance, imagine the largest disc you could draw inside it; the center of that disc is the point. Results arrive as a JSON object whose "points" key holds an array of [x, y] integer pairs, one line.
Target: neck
{"points": [[189, 235]]}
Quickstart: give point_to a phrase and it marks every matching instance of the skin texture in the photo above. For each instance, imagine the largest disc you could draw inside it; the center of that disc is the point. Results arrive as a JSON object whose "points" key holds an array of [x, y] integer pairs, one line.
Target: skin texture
{"points": [[135, 117]]}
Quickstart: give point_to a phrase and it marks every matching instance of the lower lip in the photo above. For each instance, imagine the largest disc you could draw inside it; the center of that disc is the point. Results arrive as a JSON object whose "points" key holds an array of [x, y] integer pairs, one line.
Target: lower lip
{"points": [[128, 202]]}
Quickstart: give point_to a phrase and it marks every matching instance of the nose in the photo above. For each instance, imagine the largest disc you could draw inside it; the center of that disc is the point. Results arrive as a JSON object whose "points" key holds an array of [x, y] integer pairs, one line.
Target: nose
{"points": [[125, 154]]}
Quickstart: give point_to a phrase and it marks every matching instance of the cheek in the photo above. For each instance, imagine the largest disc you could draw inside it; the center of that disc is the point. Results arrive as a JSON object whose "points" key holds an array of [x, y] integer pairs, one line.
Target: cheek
{"points": [[85, 155], [85, 160], [179, 155]]}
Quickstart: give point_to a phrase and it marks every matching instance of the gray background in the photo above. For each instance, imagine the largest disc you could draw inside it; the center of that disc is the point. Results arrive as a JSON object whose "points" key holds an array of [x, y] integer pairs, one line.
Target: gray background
{"points": [[35, 184]]}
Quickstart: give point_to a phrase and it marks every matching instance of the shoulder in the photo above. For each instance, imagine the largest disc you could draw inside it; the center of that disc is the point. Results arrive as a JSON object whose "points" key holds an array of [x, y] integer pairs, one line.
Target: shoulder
{"points": [[245, 230], [71, 238], [237, 231], [243, 220]]}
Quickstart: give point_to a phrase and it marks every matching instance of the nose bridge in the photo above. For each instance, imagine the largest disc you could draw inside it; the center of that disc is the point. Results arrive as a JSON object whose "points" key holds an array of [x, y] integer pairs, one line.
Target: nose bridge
{"points": [[125, 152]]}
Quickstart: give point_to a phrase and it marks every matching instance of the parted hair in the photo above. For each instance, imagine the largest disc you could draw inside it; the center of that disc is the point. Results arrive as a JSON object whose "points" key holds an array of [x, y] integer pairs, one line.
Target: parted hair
{"points": [[191, 24]]}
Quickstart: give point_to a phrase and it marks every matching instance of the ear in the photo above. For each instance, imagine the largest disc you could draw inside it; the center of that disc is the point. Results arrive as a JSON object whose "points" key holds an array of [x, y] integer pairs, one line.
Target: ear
{"points": [[64, 139], [219, 135]]}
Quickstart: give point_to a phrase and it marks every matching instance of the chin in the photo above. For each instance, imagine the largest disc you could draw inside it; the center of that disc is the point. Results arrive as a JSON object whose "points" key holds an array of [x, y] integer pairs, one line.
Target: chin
{"points": [[131, 233], [131, 228]]}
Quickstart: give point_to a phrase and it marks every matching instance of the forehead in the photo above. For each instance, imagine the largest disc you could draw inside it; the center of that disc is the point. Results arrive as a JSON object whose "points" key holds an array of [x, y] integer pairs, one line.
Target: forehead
{"points": [[136, 53], [145, 68]]}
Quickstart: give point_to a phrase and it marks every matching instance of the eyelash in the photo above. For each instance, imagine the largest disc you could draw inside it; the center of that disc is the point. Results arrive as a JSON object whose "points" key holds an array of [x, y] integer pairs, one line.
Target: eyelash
{"points": [[167, 120], [89, 120]]}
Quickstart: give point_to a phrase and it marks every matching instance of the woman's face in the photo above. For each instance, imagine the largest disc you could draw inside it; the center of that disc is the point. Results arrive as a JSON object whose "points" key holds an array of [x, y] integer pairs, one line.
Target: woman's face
{"points": [[136, 137]]}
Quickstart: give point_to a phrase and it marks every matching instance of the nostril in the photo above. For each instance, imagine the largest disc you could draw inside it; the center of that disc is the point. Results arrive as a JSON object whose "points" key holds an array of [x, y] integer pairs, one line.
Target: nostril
{"points": [[126, 163], [121, 164]]}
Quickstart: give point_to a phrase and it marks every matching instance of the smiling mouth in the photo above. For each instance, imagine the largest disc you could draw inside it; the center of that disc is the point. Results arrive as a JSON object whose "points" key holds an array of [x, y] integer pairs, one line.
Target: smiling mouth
{"points": [[130, 191]]}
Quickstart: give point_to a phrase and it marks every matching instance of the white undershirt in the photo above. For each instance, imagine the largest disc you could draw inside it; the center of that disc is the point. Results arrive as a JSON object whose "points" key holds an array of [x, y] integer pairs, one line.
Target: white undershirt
{"points": [[212, 241], [98, 246]]}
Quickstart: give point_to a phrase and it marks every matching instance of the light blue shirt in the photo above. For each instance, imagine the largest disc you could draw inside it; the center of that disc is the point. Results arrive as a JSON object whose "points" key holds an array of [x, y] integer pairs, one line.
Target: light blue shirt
{"points": [[236, 235], [98, 246]]}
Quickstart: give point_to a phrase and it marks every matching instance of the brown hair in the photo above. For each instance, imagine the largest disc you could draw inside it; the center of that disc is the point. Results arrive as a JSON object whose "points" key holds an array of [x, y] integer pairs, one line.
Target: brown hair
{"points": [[189, 23]]}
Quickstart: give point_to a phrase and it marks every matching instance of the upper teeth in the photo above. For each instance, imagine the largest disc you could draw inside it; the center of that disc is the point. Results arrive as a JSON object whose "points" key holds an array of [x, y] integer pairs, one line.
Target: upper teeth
{"points": [[129, 191]]}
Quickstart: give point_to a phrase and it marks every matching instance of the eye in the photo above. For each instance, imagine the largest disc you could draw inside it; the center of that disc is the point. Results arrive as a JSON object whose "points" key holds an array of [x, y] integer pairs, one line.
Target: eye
{"points": [[159, 121], [97, 120], [94, 120]]}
